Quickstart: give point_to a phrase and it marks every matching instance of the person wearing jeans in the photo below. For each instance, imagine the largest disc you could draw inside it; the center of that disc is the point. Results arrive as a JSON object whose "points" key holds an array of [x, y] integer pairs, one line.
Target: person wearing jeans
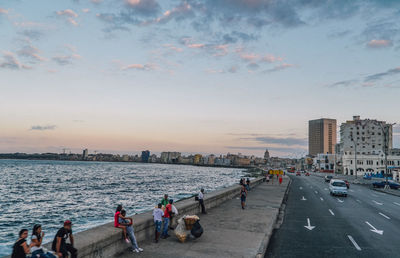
{"points": [[130, 232], [167, 217]]}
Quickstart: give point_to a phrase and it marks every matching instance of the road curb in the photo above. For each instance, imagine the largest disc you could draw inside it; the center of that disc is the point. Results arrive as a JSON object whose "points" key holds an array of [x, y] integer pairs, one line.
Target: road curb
{"points": [[278, 220]]}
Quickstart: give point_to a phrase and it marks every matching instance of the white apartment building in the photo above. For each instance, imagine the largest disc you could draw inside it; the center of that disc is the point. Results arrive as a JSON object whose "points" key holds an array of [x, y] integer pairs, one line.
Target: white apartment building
{"points": [[362, 147]]}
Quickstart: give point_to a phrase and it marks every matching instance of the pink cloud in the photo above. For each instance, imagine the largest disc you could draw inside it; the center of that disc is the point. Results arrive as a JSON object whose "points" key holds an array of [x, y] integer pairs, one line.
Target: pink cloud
{"points": [[196, 45], [67, 12], [379, 43], [11, 62], [271, 59], [143, 67], [3, 11], [249, 57], [86, 10]]}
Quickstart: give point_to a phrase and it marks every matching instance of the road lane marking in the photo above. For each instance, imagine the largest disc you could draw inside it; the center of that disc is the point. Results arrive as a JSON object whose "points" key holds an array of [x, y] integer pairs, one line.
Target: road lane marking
{"points": [[322, 199], [326, 189], [339, 200], [301, 188], [309, 227], [379, 203], [397, 203], [316, 192], [358, 201], [354, 243], [333, 214], [351, 190], [383, 215], [380, 232], [303, 199]]}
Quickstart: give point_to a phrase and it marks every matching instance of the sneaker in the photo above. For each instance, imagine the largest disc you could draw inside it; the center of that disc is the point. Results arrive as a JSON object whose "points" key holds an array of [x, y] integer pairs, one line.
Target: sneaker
{"points": [[136, 250], [127, 240], [140, 249]]}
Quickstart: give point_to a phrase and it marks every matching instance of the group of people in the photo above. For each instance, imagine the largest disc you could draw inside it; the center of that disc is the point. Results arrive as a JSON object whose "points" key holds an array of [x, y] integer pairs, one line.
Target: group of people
{"points": [[60, 247], [126, 224], [268, 177]]}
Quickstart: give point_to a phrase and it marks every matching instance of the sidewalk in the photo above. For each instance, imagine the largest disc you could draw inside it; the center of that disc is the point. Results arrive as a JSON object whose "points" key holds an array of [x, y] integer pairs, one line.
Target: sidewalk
{"points": [[229, 231]]}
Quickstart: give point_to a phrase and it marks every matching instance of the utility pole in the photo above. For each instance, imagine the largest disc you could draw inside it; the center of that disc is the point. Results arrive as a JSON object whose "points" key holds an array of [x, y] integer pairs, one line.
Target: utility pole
{"points": [[385, 131], [355, 152]]}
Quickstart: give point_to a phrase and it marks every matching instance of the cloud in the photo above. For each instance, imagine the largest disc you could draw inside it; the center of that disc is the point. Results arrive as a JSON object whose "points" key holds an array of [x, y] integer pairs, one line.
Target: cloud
{"points": [[263, 148], [381, 76], [379, 43], [68, 56], [70, 16], [233, 69], [31, 52], [32, 34], [86, 10], [344, 83], [96, 1], [180, 12], [144, 7], [3, 11], [9, 61], [143, 67], [286, 141], [42, 128], [279, 68]]}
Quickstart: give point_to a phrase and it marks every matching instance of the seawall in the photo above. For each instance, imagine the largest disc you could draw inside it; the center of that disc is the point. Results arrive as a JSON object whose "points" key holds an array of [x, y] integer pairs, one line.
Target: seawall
{"points": [[106, 241]]}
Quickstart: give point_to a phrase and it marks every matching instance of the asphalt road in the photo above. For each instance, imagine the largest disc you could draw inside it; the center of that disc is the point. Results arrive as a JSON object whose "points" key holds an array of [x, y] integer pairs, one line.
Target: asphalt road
{"points": [[366, 223]]}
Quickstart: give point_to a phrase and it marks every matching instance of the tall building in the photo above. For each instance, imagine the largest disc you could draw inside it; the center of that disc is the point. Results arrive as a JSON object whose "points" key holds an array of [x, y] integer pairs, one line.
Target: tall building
{"points": [[321, 136], [85, 154], [145, 156], [365, 136]]}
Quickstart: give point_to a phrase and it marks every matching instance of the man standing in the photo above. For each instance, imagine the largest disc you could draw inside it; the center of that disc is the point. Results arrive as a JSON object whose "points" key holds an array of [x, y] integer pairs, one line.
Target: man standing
{"points": [[59, 243], [167, 216], [201, 201], [164, 201], [157, 215]]}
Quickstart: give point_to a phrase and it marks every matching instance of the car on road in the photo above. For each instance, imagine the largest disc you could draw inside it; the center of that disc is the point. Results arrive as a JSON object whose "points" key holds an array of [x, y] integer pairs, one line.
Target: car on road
{"points": [[328, 178], [298, 173], [337, 187], [347, 184], [381, 184], [307, 174]]}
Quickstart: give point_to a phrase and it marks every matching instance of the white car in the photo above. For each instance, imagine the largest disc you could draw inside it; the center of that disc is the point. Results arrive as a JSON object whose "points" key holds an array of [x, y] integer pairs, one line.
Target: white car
{"points": [[337, 187]]}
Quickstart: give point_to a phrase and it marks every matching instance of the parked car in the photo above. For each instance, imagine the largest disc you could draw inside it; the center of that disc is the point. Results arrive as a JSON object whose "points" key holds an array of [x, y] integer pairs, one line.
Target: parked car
{"points": [[328, 178], [347, 184], [298, 173], [307, 174], [381, 184], [337, 187]]}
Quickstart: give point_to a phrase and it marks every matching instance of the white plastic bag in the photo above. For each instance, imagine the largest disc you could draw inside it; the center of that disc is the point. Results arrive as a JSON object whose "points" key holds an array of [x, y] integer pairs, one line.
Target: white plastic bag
{"points": [[174, 210]]}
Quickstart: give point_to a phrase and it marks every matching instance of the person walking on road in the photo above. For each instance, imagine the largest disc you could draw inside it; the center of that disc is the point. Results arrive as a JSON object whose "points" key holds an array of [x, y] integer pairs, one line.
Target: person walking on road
{"points": [[201, 201], [243, 195], [280, 180], [267, 178]]}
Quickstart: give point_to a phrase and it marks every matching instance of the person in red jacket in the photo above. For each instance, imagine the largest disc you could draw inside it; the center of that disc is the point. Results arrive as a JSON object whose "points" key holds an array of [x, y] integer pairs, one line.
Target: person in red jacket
{"points": [[280, 180], [167, 217]]}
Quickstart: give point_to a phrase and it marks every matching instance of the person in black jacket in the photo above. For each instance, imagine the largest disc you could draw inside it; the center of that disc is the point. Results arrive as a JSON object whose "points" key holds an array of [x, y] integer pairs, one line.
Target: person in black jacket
{"points": [[20, 248]]}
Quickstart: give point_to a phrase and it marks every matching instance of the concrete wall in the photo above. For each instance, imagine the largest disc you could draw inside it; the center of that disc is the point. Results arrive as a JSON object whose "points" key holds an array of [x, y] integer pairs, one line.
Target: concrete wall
{"points": [[107, 241]]}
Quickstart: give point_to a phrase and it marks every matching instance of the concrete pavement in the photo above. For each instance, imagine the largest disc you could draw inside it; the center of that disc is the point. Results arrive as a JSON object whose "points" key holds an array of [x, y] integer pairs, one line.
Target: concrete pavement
{"points": [[229, 231], [365, 224]]}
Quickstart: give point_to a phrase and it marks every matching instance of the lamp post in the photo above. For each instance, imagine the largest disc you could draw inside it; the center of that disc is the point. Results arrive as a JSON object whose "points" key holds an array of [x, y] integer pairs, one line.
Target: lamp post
{"points": [[355, 153]]}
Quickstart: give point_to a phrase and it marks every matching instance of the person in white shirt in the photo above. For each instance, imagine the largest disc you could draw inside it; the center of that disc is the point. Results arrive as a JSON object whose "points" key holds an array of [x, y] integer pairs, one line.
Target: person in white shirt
{"points": [[201, 201], [157, 215], [36, 243]]}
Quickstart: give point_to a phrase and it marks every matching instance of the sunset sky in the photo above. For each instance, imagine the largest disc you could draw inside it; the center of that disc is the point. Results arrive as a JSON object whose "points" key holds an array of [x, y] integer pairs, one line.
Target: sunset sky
{"points": [[200, 76]]}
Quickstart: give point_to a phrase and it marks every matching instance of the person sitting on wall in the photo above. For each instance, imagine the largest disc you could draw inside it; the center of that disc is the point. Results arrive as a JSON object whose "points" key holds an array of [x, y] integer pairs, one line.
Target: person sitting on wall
{"points": [[127, 222], [59, 243]]}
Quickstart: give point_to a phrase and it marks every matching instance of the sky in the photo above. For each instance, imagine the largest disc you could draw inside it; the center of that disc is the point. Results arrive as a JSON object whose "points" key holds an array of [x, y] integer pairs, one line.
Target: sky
{"points": [[195, 76]]}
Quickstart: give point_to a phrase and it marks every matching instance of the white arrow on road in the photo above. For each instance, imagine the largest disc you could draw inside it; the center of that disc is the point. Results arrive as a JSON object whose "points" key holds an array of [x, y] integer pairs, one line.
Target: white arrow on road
{"points": [[339, 200], [380, 232], [303, 199], [379, 203], [309, 227]]}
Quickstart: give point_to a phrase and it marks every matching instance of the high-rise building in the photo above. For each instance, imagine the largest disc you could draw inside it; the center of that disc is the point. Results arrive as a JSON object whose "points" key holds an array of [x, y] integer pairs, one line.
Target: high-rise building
{"points": [[145, 156], [321, 136], [85, 154]]}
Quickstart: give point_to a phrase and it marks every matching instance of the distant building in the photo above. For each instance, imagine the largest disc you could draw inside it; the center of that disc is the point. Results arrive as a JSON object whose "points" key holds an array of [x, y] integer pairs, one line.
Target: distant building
{"points": [[170, 157], [266, 154], [321, 136], [197, 159], [145, 156], [85, 154]]}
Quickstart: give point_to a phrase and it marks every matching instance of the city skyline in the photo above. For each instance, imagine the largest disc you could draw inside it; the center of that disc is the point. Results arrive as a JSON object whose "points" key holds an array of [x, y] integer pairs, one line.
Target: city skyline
{"points": [[192, 76]]}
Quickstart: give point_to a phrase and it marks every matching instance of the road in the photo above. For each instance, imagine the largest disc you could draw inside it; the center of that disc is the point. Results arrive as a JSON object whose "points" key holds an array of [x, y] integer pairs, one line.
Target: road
{"points": [[366, 223]]}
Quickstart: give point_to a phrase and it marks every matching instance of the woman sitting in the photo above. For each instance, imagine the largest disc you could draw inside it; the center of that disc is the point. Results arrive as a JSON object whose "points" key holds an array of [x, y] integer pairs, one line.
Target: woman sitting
{"points": [[36, 243], [20, 248]]}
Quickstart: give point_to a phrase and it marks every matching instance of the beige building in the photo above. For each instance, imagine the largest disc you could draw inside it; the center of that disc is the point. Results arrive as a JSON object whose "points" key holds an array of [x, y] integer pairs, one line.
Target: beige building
{"points": [[321, 136]]}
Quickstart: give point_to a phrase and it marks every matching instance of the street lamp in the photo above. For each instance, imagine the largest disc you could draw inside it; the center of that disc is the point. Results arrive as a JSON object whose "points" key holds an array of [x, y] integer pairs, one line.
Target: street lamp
{"points": [[355, 152]]}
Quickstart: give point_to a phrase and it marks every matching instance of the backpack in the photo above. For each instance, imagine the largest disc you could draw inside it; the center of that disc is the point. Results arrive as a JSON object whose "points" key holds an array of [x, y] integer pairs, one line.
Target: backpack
{"points": [[197, 229]]}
